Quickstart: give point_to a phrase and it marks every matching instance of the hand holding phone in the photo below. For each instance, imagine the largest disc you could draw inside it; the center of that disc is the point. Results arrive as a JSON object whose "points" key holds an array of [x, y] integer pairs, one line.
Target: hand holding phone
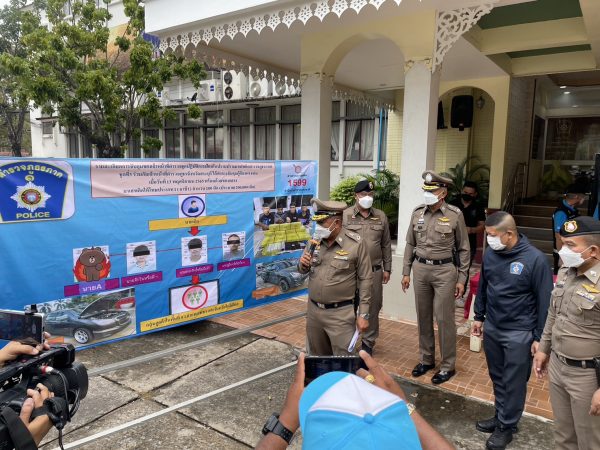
{"points": [[315, 366], [27, 328]]}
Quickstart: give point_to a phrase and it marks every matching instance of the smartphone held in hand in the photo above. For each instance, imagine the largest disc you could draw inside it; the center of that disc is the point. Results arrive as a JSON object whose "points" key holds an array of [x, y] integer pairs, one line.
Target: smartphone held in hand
{"points": [[315, 366], [21, 326]]}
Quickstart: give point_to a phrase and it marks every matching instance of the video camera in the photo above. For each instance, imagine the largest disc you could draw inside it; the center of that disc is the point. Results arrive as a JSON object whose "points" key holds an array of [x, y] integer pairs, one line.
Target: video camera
{"points": [[58, 371]]}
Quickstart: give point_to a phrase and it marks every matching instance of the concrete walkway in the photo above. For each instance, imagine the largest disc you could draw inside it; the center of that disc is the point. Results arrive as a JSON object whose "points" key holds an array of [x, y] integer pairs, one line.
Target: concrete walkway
{"points": [[232, 419]]}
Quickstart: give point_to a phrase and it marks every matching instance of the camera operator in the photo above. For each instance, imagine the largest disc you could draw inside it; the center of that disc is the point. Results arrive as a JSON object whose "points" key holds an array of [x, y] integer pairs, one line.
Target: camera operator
{"points": [[41, 425]]}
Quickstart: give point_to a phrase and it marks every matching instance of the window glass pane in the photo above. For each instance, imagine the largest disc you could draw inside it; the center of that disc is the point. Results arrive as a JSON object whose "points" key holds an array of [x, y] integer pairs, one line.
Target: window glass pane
{"points": [[219, 137], [235, 142], [211, 117], [73, 145], [260, 142], [240, 116], [193, 122], [174, 123], [287, 141], [352, 152], [245, 143], [356, 110], [192, 143], [209, 143], [86, 149], [335, 110], [335, 141], [172, 141], [297, 134], [383, 154], [264, 115], [47, 128], [134, 148], [367, 140], [291, 113]]}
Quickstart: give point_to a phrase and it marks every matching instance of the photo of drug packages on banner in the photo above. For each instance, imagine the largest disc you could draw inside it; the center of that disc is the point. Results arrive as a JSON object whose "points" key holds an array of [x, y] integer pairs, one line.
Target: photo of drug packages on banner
{"points": [[109, 249]]}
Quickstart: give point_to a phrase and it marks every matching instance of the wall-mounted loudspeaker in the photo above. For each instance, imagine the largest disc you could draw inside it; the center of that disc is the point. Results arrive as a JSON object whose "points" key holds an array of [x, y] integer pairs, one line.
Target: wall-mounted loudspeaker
{"points": [[461, 116]]}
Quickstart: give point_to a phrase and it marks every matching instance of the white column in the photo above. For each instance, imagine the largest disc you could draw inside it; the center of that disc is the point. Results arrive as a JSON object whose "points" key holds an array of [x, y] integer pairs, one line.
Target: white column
{"points": [[316, 126], [421, 93], [342, 139]]}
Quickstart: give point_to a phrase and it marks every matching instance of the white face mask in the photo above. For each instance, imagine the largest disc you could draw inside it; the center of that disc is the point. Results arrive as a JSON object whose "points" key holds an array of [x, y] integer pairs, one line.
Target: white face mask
{"points": [[571, 258], [430, 199], [321, 232], [495, 243], [365, 202]]}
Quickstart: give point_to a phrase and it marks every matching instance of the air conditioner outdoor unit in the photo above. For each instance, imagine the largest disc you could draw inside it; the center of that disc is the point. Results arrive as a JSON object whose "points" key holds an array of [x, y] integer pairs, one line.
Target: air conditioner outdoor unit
{"points": [[235, 85], [259, 88], [210, 91]]}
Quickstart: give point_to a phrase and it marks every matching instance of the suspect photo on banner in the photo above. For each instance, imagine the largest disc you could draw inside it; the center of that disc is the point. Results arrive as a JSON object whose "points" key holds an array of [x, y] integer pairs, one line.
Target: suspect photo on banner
{"points": [[279, 277], [91, 263], [89, 319], [194, 251], [282, 224], [234, 245], [192, 205], [193, 297], [141, 257]]}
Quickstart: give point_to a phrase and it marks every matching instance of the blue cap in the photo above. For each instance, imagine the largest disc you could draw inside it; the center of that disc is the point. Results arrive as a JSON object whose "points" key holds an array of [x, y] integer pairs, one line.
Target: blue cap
{"points": [[339, 410]]}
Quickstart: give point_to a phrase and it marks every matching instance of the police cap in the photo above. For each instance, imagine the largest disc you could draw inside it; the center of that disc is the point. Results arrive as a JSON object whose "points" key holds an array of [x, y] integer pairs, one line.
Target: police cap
{"points": [[576, 188], [580, 226], [363, 186], [433, 181], [326, 208]]}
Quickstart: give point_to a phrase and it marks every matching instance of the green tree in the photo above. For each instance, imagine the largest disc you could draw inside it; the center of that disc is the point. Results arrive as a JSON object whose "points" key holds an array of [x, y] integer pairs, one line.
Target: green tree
{"points": [[98, 86], [14, 102]]}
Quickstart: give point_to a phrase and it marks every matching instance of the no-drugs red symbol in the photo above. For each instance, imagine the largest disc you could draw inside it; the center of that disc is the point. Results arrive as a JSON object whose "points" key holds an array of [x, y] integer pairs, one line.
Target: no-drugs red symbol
{"points": [[195, 297]]}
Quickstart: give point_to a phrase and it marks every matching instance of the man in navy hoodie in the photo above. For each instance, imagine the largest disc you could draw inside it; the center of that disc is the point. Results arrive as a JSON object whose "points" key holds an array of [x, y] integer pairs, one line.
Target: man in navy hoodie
{"points": [[513, 299]]}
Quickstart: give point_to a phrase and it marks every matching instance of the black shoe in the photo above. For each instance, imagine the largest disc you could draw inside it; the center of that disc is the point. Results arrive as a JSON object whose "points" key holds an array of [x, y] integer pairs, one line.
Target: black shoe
{"points": [[500, 438], [442, 376], [487, 425], [421, 369], [367, 348]]}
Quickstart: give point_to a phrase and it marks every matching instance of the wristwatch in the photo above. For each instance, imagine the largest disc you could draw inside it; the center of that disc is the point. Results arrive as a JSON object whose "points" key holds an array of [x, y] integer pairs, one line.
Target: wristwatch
{"points": [[365, 316], [274, 426]]}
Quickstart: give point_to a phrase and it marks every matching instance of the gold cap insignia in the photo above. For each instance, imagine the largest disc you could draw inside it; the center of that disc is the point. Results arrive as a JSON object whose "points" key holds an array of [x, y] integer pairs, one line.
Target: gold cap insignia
{"points": [[428, 178], [570, 226]]}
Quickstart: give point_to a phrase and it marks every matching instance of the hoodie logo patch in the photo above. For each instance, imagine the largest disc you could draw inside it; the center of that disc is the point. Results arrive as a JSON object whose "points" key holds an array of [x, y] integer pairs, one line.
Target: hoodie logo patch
{"points": [[516, 268]]}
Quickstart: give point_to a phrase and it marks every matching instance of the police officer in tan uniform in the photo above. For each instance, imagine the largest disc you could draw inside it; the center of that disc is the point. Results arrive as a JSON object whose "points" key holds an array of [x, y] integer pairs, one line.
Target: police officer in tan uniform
{"points": [[436, 236], [570, 346], [373, 227], [339, 267]]}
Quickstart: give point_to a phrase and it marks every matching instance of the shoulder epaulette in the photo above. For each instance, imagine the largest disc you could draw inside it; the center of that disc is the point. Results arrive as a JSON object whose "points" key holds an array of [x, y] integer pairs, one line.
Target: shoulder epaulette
{"points": [[453, 208], [419, 207], [353, 236]]}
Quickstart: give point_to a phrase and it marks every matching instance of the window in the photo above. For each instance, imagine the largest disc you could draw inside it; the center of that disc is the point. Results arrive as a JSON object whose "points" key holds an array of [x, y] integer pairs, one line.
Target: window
{"points": [[239, 134], [150, 130], [290, 132], [172, 138], [86, 147], [191, 137], [360, 129], [265, 130], [73, 143], [335, 131], [213, 134], [47, 128], [134, 147]]}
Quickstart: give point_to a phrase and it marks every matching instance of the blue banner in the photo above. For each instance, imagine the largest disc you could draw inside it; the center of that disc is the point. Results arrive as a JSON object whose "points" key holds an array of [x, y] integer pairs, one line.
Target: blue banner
{"points": [[108, 249]]}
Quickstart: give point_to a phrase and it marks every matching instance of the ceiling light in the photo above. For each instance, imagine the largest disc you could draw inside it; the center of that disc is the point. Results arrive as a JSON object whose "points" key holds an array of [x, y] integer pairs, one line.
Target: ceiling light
{"points": [[563, 87], [567, 92], [575, 106]]}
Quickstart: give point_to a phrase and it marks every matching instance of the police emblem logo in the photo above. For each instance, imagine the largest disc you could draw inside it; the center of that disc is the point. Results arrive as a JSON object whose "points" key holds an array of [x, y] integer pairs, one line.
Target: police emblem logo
{"points": [[428, 178], [371, 185], [36, 190], [570, 226], [516, 268]]}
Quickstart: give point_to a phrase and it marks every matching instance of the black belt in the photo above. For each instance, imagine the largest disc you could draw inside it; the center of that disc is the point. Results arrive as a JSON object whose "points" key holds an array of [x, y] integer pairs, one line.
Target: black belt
{"points": [[587, 364], [433, 262], [332, 305], [377, 267]]}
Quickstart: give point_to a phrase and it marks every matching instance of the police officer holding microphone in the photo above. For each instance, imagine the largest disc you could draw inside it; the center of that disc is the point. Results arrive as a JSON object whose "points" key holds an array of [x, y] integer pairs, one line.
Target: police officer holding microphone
{"points": [[338, 267]]}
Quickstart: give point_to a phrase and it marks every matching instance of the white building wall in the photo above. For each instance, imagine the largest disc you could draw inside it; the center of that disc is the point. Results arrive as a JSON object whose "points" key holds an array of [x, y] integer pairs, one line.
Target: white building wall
{"points": [[46, 146]]}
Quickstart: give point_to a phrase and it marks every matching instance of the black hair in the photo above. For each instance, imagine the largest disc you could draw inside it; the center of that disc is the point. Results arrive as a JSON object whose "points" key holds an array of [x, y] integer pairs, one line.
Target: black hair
{"points": [[472, 185], [501, 220]]}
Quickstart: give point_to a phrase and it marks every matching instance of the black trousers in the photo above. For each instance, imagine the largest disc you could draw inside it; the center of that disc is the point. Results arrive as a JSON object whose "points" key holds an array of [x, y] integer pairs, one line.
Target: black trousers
{"points": [[508, 355]]}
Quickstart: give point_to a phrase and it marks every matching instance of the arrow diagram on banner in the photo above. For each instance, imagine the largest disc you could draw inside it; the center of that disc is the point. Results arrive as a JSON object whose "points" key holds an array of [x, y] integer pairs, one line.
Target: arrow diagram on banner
{"points": [[194, 231], [195, 279]]}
